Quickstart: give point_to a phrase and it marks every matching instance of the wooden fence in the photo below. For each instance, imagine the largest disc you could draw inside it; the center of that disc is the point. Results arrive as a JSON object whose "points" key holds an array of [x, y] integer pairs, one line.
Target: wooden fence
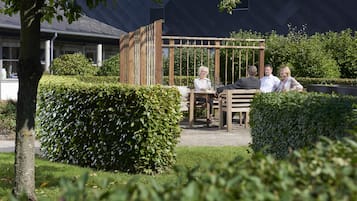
{"points": [[147, 57]]}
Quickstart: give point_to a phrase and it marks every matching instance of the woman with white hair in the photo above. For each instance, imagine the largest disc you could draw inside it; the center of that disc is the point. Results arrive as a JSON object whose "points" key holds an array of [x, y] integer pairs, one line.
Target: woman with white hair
{"points": [[202, 83], [287, 82]]}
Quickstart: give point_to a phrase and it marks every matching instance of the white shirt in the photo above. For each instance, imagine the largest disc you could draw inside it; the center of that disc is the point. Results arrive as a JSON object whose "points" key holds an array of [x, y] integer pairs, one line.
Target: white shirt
{"points": [[269, 83], [202, 84]]}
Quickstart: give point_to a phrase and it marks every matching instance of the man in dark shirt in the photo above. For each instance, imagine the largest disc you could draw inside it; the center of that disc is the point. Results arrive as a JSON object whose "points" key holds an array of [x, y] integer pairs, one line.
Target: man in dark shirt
{"points": [[250, 82]]}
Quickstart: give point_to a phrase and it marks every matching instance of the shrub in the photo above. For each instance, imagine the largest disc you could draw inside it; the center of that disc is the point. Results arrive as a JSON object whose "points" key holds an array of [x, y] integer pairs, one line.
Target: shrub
{"points": [[110, 67], [326, 172], [73, 64], [282, 122], [109, 126], [342, 48], [7, 117]]}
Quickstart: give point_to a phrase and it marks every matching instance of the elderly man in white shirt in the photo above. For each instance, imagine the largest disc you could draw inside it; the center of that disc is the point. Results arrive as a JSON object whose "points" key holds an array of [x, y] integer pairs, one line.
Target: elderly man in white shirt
{"points": [[269, 82]]}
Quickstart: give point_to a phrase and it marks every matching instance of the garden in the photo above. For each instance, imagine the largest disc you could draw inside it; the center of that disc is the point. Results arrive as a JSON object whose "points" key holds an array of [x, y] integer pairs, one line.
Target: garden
{"points": [[108, 141]]}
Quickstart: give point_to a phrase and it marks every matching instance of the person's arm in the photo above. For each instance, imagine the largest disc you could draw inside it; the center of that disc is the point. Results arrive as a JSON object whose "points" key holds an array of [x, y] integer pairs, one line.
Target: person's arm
{"points": [[295, 85]]}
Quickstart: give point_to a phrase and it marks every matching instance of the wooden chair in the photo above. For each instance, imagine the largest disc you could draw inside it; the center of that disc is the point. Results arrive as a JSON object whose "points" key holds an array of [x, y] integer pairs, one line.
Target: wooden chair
{"points": [[235, 100]]}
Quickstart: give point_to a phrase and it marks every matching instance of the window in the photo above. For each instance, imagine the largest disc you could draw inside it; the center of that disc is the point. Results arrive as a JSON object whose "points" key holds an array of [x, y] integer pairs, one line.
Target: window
{"points": [[10, 60]]}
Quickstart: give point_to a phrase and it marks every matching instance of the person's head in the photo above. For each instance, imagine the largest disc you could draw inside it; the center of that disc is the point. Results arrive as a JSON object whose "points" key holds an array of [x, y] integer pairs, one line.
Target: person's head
{"points": [[285, 73], [203, 71], [252, 70], [268, 69]]}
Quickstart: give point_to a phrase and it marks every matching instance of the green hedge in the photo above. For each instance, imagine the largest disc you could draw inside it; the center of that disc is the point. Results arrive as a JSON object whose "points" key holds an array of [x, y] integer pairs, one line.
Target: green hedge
{"points": [[282, 122], [108, 126], [73, 64], [326, 172], [327, 81], [8, 118]]}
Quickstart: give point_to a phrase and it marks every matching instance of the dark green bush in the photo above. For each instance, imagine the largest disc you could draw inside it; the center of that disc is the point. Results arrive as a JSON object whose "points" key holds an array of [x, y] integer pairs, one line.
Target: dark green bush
{"points": [[73, 64], [7, 118], [326, 172], [282, 122], [342, 48], [108, 126], [110, 67]]}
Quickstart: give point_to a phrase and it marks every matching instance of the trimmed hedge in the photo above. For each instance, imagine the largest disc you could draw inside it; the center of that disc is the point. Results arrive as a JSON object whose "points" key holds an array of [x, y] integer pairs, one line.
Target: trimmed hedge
{"points": [[108, 126], [282, 122], [326, 172], [73, 64]]}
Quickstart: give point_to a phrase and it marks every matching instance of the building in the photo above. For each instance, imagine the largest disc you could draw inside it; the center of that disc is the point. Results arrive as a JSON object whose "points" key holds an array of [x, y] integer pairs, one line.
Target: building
{"points": [[95, 39], [203, 18]]}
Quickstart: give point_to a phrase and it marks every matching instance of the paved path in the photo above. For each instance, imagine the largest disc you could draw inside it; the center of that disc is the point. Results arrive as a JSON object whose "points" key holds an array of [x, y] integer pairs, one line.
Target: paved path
{"points": [[199, 136]]}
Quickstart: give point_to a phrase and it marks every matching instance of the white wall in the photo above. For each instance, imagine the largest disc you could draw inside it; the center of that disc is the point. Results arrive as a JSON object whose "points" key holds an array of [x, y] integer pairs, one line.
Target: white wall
{"points": [[8, 89]]}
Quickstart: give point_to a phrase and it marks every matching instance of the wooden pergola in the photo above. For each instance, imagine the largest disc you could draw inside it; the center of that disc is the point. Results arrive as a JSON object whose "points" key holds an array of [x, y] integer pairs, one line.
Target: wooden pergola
{"points": [[146, 57]]}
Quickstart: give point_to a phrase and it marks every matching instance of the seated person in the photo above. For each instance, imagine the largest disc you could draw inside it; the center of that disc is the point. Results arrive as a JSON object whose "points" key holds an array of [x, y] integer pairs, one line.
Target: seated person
{"points": [[287, 82], [269, 82], [250, 82], [202, 83]]}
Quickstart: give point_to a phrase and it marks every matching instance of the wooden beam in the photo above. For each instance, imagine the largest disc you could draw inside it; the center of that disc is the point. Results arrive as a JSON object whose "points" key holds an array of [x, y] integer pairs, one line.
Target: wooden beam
{"points": [[130, 66], [158, 51], [123, 50], [261, 59], [217, 63], [171, 63], [143, 55]]}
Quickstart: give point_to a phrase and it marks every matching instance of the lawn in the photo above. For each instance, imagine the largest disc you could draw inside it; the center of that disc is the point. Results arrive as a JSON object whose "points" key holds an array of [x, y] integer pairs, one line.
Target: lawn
{"points": [[48, 174]]}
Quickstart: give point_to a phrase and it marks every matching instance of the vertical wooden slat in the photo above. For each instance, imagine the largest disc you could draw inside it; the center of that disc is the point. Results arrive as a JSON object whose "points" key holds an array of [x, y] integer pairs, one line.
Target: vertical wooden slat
{"points": [[130, 67], [246, 62], [217, 63], [158, 51], [187, 63], [226, 68], [180, 64], [143, 53], [171, 62], [233, 65], [261, 59], [123, 58], [194, 60]]}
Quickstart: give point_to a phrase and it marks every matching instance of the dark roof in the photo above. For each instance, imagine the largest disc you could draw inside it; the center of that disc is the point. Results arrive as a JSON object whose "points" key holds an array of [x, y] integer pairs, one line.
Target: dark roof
{"points": [[202, 17], [84, 27], [127, 15]]}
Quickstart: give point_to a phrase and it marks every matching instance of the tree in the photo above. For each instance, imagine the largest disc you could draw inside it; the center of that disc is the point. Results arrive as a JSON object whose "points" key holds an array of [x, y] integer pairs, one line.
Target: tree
{"points": [[30, 72]]}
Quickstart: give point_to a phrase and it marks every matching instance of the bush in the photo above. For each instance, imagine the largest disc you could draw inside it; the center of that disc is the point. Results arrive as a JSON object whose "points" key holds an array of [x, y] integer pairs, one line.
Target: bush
{"points": [[110, 67], [282, 122], [73, 64], [109, 126], [326, 172], [342, 48], [7, 118]]}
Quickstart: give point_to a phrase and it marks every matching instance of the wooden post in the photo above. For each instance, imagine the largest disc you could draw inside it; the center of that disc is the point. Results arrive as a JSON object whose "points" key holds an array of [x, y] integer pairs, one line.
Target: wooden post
{"points": [[261, 59], [130, 67], [123, 45], [171, 62], [158, 51], [143, 55], [216, 63]]}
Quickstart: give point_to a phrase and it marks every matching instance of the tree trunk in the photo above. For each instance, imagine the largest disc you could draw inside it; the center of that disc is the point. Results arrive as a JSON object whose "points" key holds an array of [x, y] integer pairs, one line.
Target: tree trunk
{"points": [[29, 74]]}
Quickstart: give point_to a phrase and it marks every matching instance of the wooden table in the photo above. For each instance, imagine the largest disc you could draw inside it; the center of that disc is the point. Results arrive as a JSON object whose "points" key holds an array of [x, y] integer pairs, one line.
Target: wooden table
{"points": [[203, 94]]}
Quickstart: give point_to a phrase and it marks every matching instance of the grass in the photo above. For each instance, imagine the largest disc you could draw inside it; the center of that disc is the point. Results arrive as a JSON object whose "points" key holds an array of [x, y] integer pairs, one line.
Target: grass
{"points": [[49, 174]]}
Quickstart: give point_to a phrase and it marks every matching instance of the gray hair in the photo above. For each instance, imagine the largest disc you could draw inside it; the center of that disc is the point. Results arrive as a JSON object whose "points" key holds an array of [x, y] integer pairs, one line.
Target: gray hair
{"points": [[252, 70]]}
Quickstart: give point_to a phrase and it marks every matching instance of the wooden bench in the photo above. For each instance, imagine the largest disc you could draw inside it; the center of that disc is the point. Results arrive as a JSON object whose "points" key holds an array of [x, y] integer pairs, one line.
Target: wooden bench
{"points": [[235, 100]]}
